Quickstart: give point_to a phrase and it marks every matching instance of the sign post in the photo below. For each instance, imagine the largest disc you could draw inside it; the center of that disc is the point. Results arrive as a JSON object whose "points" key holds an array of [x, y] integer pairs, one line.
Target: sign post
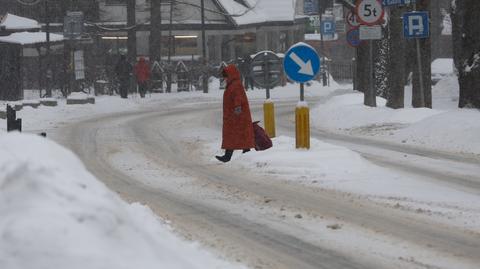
{"points": [[265, 71], [416, 25], [370, 13], [302, 64]]}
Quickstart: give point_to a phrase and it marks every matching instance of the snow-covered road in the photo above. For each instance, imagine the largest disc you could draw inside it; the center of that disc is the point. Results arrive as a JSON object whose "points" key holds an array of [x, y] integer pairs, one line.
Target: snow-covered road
{"points": [[158, 157], [461, 170]]}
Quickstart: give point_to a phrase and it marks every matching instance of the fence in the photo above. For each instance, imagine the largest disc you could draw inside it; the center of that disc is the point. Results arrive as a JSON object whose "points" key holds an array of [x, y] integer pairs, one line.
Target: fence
{"points": [[342, 72]]}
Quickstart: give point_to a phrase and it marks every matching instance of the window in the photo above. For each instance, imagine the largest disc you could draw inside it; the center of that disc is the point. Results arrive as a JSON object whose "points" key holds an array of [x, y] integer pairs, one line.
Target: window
{"points": [[185, 45]]}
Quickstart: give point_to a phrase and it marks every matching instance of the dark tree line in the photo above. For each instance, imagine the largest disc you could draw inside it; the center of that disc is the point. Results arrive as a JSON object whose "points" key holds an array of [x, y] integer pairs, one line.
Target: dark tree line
{"points": [[466, 44], [397, 57]]}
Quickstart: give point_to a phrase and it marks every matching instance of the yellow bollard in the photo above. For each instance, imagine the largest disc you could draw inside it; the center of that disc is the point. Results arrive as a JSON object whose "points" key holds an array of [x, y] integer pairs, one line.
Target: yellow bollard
{"points": [[269, 118], [302, 126]]}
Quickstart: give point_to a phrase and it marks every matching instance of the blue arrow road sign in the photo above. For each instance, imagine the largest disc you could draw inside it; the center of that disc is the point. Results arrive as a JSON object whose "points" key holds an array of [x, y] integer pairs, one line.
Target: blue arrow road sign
{"points": [[328, 27], [301, 63], [387, 3], [416, 25]]}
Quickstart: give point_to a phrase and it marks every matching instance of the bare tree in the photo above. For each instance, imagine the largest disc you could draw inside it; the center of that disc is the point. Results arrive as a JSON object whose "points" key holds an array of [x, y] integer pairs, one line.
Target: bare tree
{"points": [[380, 64], [396, 60], [466, 41], [156, 30], [132, 36], [366, 62], [362, 68]]}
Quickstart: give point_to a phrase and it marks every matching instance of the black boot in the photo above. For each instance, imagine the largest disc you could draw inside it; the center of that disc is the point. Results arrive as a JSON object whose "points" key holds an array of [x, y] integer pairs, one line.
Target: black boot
{"points": [[246, 150], [225, 158]]}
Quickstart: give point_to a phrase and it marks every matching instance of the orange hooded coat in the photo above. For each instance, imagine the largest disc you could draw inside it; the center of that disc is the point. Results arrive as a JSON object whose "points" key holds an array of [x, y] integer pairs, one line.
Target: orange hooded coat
{"points": [[142, 70], [237, 129]]}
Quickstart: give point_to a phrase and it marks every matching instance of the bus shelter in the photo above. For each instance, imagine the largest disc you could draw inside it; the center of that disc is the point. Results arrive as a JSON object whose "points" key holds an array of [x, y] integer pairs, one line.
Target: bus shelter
{"points": [[17, 51]]}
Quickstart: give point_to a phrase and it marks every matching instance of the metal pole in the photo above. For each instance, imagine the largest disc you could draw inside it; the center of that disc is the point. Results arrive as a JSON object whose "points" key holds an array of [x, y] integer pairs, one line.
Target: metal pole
{"points": [[204, 49], [420, 69], [302, 92], [354, 71], [265, 76], [322, 45], [420, 73], [47, 54], [170, 67], [170, 33]]}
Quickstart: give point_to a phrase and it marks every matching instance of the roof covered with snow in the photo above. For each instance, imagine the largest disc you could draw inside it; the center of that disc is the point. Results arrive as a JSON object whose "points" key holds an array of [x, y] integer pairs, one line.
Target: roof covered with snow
{"points": [[260, 11], [13, 22], [28, 38]]}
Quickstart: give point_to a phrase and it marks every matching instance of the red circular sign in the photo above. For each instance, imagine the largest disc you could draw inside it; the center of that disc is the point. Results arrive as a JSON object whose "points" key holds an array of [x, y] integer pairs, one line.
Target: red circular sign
{"points": [[369, 12], [352, 19]]}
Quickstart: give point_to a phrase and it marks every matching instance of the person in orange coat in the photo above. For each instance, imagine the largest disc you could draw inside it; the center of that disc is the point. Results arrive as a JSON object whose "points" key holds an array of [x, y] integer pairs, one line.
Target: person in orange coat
{"points": [[142, 73], [237, 132]]}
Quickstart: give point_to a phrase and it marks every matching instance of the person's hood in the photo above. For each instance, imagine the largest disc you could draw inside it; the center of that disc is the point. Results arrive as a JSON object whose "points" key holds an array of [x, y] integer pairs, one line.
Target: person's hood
{"points": [[232, 73], [141, 60]]}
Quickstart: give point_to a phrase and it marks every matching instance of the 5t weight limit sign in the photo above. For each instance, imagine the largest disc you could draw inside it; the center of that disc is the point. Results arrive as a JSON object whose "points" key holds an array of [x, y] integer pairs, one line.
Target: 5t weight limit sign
{"points": [[370, 12]]}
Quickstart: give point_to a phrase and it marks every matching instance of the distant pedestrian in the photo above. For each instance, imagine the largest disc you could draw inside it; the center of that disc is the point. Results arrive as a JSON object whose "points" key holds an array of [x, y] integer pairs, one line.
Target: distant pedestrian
{"points": [[237, 131], [142, 74], [247, 77], [123, 70]]}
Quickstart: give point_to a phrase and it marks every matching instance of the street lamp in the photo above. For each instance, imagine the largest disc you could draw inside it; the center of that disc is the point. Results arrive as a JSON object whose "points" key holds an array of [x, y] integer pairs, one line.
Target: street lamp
{"points": [[204, 49]]}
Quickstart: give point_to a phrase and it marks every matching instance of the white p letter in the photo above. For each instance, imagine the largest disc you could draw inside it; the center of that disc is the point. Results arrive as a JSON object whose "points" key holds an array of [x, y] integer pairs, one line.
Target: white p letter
{"points": [[415, 25]]}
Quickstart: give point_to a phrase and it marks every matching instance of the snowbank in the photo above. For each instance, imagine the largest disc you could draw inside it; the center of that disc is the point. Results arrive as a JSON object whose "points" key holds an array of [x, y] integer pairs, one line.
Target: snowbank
{"points": [[348, 112], [445, 127], [57, 215]]}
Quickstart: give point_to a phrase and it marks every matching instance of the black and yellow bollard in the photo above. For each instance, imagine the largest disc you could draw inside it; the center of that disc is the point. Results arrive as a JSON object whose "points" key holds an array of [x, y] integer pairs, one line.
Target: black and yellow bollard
{"points": [[269, 118], [302, 127]]}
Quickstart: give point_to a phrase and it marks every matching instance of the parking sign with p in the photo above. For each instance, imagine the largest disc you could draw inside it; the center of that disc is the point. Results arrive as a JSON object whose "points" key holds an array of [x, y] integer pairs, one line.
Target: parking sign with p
{"points": [[328, 27], [416, 25]]}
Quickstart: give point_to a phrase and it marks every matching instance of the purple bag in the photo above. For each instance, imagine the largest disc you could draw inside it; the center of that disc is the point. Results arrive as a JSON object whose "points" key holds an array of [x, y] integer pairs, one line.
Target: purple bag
{"points": [[262, 141]]}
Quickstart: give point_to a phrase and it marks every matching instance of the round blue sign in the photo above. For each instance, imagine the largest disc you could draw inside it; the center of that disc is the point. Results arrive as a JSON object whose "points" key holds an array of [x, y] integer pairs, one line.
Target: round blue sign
{"points": [[353, 37], [301, 63]]}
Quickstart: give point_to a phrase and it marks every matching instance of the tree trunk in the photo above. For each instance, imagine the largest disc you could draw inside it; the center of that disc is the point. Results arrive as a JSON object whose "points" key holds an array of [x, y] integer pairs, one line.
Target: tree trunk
{"points": [[424, 45], [396, 60], [362, 68], [380, 63], [466, 34], [370, 96], [155, 30], [458, 16], [132, 33]]}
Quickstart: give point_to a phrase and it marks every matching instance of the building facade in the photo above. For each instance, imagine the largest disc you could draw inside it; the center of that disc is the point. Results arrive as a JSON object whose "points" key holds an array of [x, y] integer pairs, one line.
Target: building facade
{"points": [[234, 28]]}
